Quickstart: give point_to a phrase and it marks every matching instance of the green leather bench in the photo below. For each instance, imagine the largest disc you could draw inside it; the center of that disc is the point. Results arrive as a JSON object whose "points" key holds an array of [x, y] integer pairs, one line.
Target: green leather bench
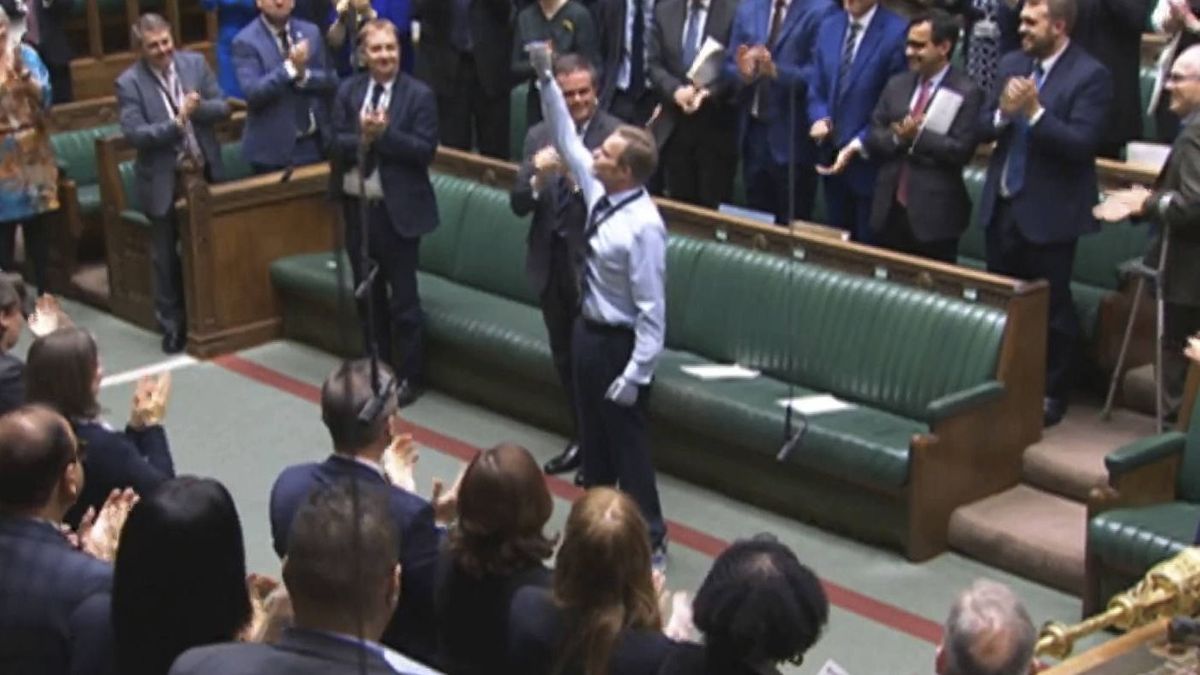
{"points": [[915, 365], [76, 155], [1147, 526], [231, 155]]}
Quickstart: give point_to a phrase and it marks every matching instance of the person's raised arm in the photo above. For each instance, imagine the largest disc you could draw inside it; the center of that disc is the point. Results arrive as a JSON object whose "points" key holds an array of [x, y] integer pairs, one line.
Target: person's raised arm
{"points": [[566, 139]]}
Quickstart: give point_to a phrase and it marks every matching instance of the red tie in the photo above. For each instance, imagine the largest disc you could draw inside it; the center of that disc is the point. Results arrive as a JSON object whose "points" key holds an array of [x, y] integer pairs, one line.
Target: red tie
{"points": [[918, 108]]}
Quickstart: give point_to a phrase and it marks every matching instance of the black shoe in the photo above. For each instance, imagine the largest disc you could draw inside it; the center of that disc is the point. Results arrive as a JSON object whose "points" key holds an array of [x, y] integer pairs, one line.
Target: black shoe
{"points": [[580, 481], [569, 460], [173, 342], [1053, 410], [407, 393]]}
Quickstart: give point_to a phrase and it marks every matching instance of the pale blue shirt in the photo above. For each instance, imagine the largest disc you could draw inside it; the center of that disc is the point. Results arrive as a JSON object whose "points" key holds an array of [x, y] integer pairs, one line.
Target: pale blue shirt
{"points": [[627, 261]]}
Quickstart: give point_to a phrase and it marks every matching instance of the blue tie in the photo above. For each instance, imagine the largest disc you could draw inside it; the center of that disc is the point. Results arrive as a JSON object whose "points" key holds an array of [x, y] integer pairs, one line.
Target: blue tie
{"points": [[691, 34], [1018, 150]]}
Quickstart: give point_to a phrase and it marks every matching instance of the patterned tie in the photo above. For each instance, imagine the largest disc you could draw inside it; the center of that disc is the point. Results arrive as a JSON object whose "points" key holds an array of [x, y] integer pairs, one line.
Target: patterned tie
{"points": [[191, 147], [1018, 151], [848, 52], [983, 53], [918, 108], [691, 34]]}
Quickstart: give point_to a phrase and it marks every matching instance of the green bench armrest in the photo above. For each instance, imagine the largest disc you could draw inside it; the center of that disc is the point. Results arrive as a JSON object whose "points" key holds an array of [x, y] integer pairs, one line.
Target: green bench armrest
{"points": [[952, 404], [135, 217], [1143, 452]]}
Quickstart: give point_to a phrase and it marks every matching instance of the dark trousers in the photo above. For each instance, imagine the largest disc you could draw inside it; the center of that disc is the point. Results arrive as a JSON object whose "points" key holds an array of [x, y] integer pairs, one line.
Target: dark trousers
{"points": [[847, 209], [168, 273], [307, 151], [698, 168], [467, 117], [615, 439], [1179, 322], [767, 182], [60, 83], [560, 308], [37, 246], [897, 234], [395, 305], [1011, 254]]}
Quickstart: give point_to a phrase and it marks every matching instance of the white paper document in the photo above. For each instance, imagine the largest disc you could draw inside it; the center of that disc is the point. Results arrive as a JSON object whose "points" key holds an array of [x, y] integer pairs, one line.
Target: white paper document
{"points": [[832, 667], [817, 404], [941, 111], [718, 371], [706, 68]]}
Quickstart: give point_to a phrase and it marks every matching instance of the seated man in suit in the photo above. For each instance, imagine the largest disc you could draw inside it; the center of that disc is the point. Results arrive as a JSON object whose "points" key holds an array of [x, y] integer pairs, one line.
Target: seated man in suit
{"points": [[360, 452], [556, 230], [282, 67], [343, 579], [857, 52], [921, 204], [169, 104], [1047, 115], [389, 119], [54, 619]]}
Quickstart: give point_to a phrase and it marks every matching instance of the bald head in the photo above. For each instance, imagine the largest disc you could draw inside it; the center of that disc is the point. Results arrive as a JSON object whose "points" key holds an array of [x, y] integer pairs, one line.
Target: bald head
{"points": [[1183, 83], [36, 447], [988, 633], [1189, 59]]}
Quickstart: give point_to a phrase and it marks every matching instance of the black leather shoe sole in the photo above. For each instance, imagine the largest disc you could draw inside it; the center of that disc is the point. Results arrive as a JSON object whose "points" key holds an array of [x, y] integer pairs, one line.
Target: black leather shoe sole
{"points": [[173, 343], [569, 460]]}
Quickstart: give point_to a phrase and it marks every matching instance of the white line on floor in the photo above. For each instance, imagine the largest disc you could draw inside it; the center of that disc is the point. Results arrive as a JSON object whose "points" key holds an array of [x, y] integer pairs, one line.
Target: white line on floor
{"points": [[174, 363]]}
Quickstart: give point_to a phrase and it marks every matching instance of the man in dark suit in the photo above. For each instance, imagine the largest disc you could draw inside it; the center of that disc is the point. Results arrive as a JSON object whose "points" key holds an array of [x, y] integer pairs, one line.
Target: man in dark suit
{"points": [[54, 618], [361, 451], [343, 580], [1047, 116], [921, 204], [287, 80], [169, 104], [556, 230], [392, 118], [464, 54], [44, 21], [857, 52], [1174, 203], [770, 47], [699, 154], [1111, 31], [625, 27]]}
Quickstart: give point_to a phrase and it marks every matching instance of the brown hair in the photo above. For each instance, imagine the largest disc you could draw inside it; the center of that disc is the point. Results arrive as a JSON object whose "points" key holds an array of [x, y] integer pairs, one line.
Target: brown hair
{"points": [[503, 506], [377, 24], [602, 577], [60, 370], [640, 154]]}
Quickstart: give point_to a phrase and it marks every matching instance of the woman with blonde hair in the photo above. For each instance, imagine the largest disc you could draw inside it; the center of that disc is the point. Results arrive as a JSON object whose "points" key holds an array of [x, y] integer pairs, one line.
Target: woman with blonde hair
{"points": [[601, 615]]}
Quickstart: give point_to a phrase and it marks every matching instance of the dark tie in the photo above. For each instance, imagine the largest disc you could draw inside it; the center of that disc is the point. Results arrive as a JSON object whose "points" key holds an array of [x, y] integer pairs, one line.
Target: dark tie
{"points": [[918, 108], [776, 23], [598, 214], [691, 34], [284, 41], [376, 96], [637, 50], [1018, 150], [848, 52]]}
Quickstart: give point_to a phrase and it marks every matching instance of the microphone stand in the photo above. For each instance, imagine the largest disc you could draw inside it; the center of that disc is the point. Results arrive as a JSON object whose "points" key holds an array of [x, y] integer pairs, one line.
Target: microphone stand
{"points": [[791, 438]]}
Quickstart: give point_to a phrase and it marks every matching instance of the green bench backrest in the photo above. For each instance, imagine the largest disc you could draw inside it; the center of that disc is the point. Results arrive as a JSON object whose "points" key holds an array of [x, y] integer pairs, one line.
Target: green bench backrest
{"points": [[129, 185], [491, 250], [229, 153], [863, 339], [76, 151], [235, 165], [439, 248]]}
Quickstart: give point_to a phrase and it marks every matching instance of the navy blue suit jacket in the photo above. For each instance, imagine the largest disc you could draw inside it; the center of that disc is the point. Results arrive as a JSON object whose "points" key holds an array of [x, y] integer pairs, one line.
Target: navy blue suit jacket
{"points": [[134, 458], [54, 603], [412, 629], [849, 104], [272, 96], [792, 57], [403, 153], [1055, 204]]}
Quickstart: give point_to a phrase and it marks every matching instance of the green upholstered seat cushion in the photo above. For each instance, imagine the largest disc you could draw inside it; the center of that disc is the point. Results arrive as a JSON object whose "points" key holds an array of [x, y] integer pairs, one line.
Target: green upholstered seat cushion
{"points": [[76, 151], [1135, 539], [863, 445], [235, 165], [89, 198], [129, 184]]}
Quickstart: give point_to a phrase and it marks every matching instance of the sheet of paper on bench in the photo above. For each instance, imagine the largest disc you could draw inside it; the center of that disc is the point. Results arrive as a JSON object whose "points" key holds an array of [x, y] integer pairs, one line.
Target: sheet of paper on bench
{"points": [[817, 404], [942, 111], [720, 371], [832, 667]]}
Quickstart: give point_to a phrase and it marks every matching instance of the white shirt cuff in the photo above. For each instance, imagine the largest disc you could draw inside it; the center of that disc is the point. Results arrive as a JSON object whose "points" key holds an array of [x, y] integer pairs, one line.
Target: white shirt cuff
{"points": [[858, 145]]}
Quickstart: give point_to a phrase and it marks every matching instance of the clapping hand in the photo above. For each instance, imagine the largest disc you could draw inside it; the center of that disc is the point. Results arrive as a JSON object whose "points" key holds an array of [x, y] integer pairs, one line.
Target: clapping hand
{"points": [[373, 125], [821, 129], [1013, 97], [907, 128], [766, 62], [99, 534], [48, 316], [547, 162], [271, 609], [150, 401], [298, 55], [747, 64], [400, 457], [1192, 351], [841, 162], [445, 502], [1121, 204]]}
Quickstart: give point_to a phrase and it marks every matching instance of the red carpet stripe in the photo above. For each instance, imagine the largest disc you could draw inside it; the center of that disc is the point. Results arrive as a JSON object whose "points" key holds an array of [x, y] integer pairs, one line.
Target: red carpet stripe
{"points": [[847, 599]]}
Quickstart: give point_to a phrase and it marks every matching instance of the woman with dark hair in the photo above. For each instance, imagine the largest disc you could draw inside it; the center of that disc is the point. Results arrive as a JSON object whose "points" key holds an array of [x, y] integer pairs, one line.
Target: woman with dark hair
{"points": [[497, 548], [63, 371], [757, 607], [602, 615], [180, 576]]}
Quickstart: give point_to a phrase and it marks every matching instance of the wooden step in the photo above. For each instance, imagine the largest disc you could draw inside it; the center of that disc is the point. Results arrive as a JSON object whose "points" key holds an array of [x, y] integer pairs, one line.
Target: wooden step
{"points": [[1027, 531]]}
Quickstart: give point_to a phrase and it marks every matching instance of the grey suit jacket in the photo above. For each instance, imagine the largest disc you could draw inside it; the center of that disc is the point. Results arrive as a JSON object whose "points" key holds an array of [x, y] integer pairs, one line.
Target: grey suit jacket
{"points": [[1180, 181], [548, 217], [298, 652], [149, 125]]}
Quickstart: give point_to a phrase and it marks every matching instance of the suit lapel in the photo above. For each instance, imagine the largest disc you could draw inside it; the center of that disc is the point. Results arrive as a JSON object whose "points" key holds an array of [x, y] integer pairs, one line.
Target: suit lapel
{"points": [[266, 45], [762, 20], [794, 12], [398, 91], [152, 94]]}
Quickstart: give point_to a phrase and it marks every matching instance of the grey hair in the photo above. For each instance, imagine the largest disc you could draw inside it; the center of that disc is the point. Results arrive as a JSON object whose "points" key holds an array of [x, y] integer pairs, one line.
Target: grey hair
{"points": [[988, 632], [147, 23]]}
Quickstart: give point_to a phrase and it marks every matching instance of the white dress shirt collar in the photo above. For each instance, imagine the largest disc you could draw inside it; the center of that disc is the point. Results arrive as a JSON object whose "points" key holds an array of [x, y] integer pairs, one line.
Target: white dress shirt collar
{"points": [[1049, 61]]}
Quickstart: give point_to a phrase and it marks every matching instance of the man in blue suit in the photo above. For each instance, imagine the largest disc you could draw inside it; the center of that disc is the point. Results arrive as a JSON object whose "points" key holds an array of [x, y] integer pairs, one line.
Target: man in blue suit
{"points": [[361, 449], [283, 69], [770, 46], [1047, 115], [857, 52], [392, 117], [54, 599]]}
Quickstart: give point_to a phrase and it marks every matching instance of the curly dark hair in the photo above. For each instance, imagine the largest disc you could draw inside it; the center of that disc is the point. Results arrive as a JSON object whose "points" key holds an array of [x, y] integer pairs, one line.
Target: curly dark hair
{"points": [[758, 603]]}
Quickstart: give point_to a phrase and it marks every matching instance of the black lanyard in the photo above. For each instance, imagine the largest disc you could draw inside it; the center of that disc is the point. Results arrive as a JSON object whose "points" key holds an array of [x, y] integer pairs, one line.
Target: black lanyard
{"points": [[597, 221], [158, 82]]}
